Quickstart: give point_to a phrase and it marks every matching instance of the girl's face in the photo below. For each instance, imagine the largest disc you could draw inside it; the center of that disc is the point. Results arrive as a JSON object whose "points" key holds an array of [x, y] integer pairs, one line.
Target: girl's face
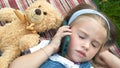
{"points": [[88, 35]]}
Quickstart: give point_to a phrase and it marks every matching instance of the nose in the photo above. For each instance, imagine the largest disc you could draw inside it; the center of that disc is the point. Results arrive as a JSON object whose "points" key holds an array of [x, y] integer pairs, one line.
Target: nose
{"points": [[86, 45], [38, 11]]}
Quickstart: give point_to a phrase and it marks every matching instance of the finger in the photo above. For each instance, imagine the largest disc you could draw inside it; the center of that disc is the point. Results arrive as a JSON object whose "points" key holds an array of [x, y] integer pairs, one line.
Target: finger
{"points": [[65, 29], [66, 34], [100, 61], [65, 26]]}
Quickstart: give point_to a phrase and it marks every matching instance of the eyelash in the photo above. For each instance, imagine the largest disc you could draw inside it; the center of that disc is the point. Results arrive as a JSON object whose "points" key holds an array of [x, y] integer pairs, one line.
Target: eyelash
{"points": [[81, 37], [93, 45]]}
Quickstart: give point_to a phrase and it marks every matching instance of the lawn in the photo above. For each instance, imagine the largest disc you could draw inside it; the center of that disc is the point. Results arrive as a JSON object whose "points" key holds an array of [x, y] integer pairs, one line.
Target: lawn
{"points": [[112, 9]]}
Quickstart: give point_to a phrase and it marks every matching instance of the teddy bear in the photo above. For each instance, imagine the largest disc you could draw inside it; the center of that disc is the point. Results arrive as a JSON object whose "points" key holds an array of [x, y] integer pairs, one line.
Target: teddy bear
{"points": [[22, 32], [7, 15]]}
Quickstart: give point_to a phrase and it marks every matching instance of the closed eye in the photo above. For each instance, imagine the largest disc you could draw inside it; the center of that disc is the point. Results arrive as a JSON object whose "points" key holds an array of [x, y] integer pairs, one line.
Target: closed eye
{"points": [[95, 44], [81, 37]]}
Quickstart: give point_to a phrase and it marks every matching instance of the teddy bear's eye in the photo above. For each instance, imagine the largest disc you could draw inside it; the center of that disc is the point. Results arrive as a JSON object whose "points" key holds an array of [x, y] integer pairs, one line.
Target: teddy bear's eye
{"points": [[39, 6], [45, 13]]}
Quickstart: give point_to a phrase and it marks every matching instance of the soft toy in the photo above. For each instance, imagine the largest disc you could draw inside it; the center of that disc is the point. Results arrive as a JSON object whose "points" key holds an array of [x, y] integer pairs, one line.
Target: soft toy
{"points": [[21, 33], [7, 15]]}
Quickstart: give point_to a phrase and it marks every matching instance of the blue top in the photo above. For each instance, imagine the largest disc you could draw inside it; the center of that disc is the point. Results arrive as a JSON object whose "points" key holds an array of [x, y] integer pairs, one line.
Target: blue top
{"points": [[53, 64]]}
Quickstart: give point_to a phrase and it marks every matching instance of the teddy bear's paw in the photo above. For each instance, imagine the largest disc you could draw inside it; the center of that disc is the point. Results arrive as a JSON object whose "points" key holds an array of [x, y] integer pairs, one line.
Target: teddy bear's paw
{"points": [[25, 44], [30, 27], [3, 62], [3, 66]]}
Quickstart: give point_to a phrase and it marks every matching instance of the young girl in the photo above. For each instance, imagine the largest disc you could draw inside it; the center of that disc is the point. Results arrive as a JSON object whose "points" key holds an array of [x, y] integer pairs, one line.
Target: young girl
{"points": [[88, 31]]}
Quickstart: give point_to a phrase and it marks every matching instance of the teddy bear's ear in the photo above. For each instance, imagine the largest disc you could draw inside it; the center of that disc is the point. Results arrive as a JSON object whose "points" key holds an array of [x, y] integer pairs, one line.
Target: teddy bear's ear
{"points": [[20, 15]]}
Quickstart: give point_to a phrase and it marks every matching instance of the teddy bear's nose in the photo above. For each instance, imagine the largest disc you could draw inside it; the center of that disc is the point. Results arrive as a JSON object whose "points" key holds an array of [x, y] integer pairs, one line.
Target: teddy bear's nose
{"points": [[38, 11]]}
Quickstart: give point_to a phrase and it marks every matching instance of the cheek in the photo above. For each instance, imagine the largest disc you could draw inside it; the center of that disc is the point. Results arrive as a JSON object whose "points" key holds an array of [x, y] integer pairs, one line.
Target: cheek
{"points": [[93, 52], [74, 39], [74, 43], [71, 44]]}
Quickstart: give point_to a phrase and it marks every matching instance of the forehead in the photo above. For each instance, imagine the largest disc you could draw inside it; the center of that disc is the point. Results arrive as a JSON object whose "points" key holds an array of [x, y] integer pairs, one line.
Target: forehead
{"points": [[91, 27]]}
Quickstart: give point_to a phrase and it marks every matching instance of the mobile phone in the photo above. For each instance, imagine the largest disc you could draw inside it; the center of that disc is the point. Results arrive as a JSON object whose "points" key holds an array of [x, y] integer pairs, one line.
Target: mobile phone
{"points": [[64, 45]]}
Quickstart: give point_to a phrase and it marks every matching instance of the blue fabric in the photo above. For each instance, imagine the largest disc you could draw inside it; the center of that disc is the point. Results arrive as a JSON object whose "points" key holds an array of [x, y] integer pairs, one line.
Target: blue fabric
{"points": [[85, 65], [53, 64]]}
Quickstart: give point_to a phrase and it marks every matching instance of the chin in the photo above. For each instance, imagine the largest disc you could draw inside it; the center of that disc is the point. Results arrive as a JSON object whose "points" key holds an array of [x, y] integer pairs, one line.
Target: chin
{"points": [[75, 60]]}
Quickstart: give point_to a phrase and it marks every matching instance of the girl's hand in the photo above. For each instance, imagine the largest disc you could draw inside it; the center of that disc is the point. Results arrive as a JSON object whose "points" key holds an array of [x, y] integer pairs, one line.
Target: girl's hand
{"points": [[62, 31], [101, 57]]}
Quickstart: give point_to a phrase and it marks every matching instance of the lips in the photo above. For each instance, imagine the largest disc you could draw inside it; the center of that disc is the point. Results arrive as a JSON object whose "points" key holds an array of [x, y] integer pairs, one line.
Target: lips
{"points": [[81, 54]]}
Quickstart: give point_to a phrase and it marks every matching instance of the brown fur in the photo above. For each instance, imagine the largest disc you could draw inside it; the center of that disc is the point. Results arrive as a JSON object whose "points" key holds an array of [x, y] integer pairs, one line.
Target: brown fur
{"points": [[14, 37]]}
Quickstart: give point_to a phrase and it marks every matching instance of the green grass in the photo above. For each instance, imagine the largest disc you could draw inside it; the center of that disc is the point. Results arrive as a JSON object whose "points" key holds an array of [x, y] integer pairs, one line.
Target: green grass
{"points": [[112, 9]]}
